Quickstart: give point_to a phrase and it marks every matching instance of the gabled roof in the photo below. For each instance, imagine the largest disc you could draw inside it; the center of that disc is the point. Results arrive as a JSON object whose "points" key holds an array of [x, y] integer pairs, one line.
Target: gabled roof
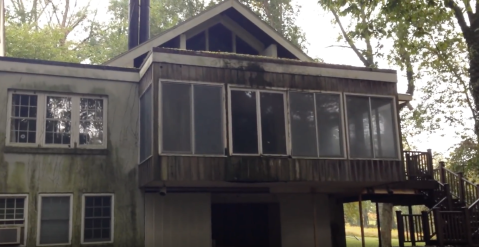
{"points": [[126, 58]]}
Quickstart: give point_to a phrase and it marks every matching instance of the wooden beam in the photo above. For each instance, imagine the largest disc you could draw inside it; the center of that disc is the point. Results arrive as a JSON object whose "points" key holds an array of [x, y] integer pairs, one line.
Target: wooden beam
{"points": [[233, 42], [271, 51], [183, 41], [202, 27], [242, 33]]}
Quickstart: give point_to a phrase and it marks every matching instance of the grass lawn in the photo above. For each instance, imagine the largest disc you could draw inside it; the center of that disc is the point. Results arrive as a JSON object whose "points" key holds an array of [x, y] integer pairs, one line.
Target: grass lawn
{"points": [[370, 242]]}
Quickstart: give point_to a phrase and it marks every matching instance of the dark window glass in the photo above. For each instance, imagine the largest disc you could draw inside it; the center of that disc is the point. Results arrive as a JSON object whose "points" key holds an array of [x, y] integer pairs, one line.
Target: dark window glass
{"points": [[197, 43], [303, 124], [55, 220], [273, 130], [12, 211], [220, 39], [23, 122], [244, 122], [330, 132], [98, 216], [146, 122], [208, 119], [176, 117], [359, 126], [384, 129], [244, 48]]}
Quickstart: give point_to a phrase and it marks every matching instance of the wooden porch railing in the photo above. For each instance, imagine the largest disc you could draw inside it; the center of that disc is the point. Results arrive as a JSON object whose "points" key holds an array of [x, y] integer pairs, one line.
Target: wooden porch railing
{"points": [[460, 187], [418, 165]]}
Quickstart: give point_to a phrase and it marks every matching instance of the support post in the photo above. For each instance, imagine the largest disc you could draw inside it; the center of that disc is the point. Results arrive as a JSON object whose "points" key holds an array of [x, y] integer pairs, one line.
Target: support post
{"points": [[378, 222], [468, 221], [361, 220], [408, 166], [442, 172], [439, 227], [462, 191], [430, 167], [447, 189], [425, 226], [314, 218], [412, 233], [183, 41], [400, 225]]}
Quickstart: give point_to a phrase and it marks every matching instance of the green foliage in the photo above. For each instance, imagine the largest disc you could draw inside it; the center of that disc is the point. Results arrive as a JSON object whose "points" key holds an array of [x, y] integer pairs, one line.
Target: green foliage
{"points": [[465, 158]]}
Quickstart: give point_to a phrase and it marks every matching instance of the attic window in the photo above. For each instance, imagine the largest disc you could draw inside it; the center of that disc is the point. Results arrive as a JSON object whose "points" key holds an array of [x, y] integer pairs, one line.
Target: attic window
{"points": [[197, 43], [220, 39], [244, 48]]}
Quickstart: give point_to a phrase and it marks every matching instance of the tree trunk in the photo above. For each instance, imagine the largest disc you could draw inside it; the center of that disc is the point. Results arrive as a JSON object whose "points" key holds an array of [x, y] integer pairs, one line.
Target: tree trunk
{"points": [[474, 77], [386, 219]]}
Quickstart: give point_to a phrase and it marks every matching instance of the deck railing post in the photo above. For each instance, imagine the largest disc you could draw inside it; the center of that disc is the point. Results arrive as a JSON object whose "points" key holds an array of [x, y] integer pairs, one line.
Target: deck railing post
{"points": [[425, 224], [439, 227], [462, 191], [430, 169], [412, 228], [408, 166], [400, 226], [447, 189], [442, 172], [468, 219]]}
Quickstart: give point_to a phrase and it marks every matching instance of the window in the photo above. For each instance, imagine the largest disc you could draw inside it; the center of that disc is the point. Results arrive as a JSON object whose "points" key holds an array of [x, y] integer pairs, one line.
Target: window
{"points": [[97, 224], [51, 120], [371, 126], [316, 124], [258, 123], [192, 119], [146, 123], [12, 210], [54, 223]]}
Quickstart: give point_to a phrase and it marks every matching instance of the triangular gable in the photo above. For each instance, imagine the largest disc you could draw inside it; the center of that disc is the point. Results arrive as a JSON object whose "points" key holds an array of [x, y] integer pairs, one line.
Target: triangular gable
{"points": [[209, 16]]}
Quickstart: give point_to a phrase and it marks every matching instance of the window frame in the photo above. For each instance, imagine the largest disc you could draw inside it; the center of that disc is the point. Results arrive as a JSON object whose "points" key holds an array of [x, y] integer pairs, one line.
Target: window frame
{"points": [[284, 92], [343, 125], [395, 121], [192, 124], [149, 87], [39, 217], [112, 223], [25, 214], [41, 119]]}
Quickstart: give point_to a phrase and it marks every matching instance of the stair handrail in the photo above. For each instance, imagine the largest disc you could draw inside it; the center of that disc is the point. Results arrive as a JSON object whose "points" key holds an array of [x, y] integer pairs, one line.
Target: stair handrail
{"points": [[461, 188]]}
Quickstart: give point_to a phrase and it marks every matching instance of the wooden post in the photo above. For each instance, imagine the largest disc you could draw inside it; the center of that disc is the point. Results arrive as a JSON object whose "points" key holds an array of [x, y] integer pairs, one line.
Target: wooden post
{"points": [[447, 189], [442, 172], [400, 226], [361, 220], [430, 169], [378, 222], [412, 233], [468, 221], [314, 218], [408, 166], [462, 191], [439, 227], [425, 226]]}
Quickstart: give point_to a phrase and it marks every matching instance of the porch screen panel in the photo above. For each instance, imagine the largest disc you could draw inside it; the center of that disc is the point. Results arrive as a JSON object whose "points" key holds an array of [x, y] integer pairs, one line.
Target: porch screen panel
{"points": [[273, 128], [359, 124], [384, 130], [208, 119], [303, 124], [244, 122], [330, 133], [146, 121], [176, 117]]}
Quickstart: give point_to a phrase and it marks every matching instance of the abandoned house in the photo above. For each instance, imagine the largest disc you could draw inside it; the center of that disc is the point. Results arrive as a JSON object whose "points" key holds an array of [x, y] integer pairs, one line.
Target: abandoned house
{"points": [[217, 132]]}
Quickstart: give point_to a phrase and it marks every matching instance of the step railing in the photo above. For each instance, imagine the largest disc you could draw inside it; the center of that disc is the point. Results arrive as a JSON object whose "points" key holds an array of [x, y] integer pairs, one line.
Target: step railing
{"points": [[460, 188], [472, 213]]}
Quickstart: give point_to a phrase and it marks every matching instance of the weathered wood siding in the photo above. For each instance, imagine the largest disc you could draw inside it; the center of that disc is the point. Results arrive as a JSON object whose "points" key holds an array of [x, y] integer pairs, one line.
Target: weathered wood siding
{"points": [[267, 169]]}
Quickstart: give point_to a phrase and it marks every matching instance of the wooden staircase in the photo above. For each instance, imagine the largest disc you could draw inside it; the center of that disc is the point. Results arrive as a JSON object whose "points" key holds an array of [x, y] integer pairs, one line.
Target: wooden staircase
{"points": [[453, 215]]}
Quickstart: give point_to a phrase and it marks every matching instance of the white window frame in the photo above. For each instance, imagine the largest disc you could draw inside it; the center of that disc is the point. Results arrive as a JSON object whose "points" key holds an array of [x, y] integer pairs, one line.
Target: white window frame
{"points": [[41, 120], [112, 223], [395, 121], [39, 218], [284, 92], [192, 124], [149, 87], [25, 214], [343, 125]]}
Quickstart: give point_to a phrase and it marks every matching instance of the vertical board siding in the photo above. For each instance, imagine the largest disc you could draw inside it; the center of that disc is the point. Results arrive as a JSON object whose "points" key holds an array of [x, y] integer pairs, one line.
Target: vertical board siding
{"points": [[180, 220]]}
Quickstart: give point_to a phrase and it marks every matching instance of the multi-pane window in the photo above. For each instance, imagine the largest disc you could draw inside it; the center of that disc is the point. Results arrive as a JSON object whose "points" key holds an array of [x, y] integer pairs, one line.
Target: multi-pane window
{"points": [[43, 119], [54, 219], [98, 218], [316, 124], [192, 118], [12, 211], [258, 123], [23, 118], [371, 126]]}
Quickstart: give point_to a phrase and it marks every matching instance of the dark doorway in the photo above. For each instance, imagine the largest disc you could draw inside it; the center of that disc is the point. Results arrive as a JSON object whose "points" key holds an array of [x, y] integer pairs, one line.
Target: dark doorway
{"points": [[245, 225]]}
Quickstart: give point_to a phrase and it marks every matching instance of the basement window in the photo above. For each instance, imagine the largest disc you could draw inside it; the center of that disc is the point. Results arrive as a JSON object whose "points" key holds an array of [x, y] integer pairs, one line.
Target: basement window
{"points": [[316, 124], [97, 220], [54, 120], [192, 118], [371, 127], [258, 123]]}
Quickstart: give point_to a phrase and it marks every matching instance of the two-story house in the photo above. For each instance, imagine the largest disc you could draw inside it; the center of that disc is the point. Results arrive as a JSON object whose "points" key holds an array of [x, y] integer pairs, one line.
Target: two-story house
{"points": [[217, 132]]}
